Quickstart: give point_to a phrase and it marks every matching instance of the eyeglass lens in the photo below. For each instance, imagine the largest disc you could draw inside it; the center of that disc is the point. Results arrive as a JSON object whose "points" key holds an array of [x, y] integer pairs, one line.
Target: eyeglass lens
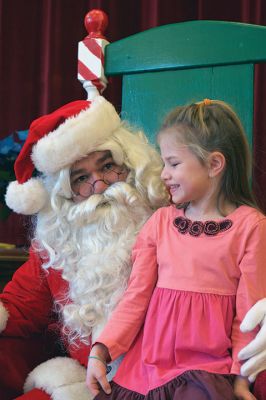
{"points": [[86, 188]]}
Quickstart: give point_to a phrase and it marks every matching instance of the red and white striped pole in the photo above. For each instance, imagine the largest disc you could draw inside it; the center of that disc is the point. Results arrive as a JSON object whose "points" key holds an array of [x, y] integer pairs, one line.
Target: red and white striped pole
{"points": [[91, 54]]}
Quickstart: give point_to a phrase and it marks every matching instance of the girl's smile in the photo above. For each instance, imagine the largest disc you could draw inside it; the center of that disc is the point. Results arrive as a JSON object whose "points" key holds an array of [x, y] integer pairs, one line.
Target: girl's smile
{"points": [[173, 189]]}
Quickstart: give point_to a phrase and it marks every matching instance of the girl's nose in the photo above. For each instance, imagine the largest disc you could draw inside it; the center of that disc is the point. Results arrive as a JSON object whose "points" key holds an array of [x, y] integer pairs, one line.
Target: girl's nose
{"points": [[164, 174]]}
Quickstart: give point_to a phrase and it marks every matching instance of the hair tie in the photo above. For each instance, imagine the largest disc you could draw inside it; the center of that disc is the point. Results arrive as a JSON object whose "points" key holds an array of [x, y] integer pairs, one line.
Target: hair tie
{"points": [[207, 102], [99, 359]]}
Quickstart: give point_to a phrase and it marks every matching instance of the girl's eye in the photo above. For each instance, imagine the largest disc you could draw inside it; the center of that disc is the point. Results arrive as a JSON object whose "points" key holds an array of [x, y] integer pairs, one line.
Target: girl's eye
{"points": [[175, 164]]}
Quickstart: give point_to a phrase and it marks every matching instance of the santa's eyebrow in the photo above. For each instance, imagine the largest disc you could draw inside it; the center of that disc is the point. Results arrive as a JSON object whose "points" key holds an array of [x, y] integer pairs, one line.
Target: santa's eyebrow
{"points": [[100, 160], [77, 172], [107, 155]]}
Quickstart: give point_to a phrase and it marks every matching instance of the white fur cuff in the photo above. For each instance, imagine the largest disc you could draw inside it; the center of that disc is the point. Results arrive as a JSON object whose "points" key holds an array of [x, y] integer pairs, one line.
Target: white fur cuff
{"points": [[3, 317], [76, 391], [55, 373]]}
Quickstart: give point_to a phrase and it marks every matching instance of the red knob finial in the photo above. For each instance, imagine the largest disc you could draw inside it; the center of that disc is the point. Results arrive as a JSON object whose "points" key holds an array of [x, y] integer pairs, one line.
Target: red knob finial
{"points": [[96, 22]]}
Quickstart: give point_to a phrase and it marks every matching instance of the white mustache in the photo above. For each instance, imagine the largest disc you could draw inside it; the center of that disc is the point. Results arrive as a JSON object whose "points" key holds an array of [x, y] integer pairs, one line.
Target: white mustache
{"points": [[88, 210]]}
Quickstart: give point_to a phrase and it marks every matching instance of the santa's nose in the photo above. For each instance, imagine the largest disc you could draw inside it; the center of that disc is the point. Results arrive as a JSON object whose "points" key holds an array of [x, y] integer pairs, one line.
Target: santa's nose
{"points": [[99, 186]]}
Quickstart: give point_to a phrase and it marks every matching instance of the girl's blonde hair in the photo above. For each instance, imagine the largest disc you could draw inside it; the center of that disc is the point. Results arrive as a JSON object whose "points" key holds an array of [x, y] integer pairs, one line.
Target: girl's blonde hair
{"points": [[212, 125]]}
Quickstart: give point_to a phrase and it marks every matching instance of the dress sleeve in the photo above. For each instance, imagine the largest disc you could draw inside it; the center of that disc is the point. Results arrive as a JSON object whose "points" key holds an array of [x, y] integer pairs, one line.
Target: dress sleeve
{"points": [[128, 317], [26, 300], [251, 287]]}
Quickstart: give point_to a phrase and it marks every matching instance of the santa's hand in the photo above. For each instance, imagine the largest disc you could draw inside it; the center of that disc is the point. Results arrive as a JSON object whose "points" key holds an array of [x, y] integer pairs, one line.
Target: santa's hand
{"points": [[97, 369], [255, 351]]}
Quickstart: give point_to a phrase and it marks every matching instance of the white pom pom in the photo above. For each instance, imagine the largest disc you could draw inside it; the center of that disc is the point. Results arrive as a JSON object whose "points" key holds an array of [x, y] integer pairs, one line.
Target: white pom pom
{"points": [[27, 198]]}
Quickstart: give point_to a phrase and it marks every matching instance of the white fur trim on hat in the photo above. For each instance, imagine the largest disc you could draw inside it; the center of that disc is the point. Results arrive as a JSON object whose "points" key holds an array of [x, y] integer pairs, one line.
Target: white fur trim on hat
{"points": [[27, 198], [55, 373], [76, 137], [3, 317]]}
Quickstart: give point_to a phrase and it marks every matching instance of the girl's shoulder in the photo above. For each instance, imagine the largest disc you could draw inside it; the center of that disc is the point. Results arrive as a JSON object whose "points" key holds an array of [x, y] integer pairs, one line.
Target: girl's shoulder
{"points": [[161, 216], [167, 211], [247, 212], [248, 218]]}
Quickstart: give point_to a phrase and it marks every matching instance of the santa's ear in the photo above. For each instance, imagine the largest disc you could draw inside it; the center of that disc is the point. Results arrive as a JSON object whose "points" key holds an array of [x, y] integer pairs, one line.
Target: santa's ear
{"points": [[216, 163]]}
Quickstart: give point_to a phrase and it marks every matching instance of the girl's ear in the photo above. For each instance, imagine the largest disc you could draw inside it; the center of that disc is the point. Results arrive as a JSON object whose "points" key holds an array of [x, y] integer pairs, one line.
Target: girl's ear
{"points": [[216, 163]]}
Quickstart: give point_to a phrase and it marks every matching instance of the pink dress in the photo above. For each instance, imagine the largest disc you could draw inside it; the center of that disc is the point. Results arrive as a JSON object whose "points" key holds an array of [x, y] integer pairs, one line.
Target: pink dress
{"points": [[190, 287]]}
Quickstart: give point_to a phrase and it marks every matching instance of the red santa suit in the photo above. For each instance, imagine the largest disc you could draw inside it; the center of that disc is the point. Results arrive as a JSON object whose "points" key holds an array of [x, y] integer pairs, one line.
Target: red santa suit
{"points": [[29, 313]]}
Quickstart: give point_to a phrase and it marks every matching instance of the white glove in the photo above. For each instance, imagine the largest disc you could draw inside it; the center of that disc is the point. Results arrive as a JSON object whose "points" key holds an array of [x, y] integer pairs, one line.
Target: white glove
{"points": [[255, 351]]}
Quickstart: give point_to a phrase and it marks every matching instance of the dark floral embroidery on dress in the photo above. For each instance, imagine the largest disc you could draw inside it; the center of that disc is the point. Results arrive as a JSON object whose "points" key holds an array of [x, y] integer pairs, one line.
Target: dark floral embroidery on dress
{"points": [[211, 228], [226, 224], [183, 224], [196, 228]]}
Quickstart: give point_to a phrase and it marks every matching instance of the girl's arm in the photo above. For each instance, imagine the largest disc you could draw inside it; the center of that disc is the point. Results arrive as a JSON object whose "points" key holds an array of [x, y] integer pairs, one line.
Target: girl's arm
{"points": [[128, 317], [26, 302], [251, 288]]}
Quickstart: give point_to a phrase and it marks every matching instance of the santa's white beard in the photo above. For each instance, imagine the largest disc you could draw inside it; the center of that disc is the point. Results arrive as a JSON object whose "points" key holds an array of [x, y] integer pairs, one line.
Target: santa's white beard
{"points": [[96, 256]]}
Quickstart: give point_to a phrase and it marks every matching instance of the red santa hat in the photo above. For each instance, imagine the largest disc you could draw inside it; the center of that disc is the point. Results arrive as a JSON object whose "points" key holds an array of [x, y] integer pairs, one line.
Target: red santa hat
{"points": [[55, 141]]}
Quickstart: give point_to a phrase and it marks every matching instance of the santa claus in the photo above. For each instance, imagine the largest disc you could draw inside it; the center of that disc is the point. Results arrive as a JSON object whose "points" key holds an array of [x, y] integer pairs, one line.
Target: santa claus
{"points": [[97, 183]]}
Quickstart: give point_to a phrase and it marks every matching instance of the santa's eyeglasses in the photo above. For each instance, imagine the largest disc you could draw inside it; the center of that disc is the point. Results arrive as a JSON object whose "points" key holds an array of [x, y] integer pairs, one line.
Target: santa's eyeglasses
{"points": [[84, 187]]}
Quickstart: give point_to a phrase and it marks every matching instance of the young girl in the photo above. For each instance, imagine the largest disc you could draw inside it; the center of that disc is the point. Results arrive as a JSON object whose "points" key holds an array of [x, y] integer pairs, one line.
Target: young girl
{"points": [[199, 265]]}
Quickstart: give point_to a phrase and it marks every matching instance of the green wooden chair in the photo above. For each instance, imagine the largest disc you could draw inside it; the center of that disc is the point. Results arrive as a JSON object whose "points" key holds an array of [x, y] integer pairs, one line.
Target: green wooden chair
{"points": [[178, 63]]}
